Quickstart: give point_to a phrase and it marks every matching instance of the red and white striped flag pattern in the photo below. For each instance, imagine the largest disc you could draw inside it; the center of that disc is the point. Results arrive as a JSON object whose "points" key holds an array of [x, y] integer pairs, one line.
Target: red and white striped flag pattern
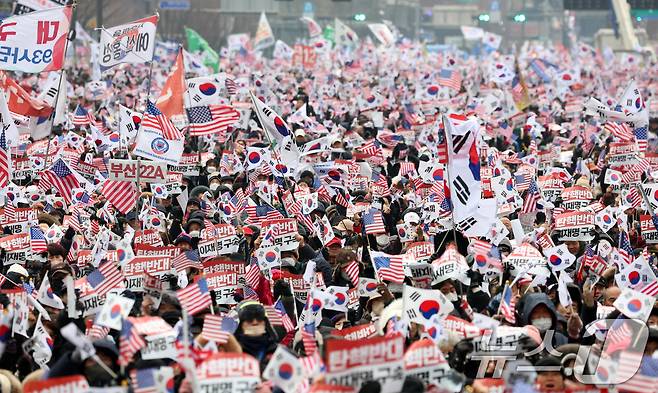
{"points": [[373, 222], [105, 278], [212, 119], [5, 161], [121, 194], [620, 130], [507, 305], [352, 271], [212, 329], [37, 240], [638, 382], [388, 267], [130, 343], [61, 177], [195, 297], [481, 246], [156, 120]]}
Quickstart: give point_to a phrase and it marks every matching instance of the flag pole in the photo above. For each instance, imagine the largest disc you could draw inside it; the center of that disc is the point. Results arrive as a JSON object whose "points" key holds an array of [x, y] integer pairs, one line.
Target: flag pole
{"points": [[452, 210], [188, 358], [59, 86]]}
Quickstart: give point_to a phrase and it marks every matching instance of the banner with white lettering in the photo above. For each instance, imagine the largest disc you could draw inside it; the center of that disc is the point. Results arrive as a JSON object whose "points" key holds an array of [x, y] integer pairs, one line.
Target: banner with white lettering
{"points": [[35, 42]]}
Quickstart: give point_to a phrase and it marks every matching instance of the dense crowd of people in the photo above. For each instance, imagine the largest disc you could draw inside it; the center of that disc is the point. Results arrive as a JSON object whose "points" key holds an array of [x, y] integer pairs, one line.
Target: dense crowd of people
{"points": [[376, 218]]}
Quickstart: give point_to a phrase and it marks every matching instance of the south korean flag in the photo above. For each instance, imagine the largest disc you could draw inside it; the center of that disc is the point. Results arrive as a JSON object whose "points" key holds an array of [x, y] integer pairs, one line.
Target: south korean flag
{"points": [[559, 258], [464, 165], [204, 91]]}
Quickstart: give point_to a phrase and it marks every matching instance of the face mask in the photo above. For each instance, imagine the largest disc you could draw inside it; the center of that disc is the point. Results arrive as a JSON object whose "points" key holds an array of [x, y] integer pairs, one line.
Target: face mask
{"points": [[254, 330], [543, 324], [194, 234], [452, 297], [211, 169], [288, 261], [97, 376], [214, 186]]}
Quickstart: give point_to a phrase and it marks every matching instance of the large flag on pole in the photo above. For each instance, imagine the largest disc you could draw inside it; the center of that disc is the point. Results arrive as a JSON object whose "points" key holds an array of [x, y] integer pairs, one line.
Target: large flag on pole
{"points": [[132, 43], [314, 28], [196, 43], [158, 139], [171, 98], [272, 123], [343, 34], [463, 165], [382, 33], [264, 37], [35, 42]]}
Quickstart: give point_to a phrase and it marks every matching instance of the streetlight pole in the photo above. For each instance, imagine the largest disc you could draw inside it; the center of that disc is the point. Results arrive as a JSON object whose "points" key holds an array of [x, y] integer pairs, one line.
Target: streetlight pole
{"points": [[99, 16]]}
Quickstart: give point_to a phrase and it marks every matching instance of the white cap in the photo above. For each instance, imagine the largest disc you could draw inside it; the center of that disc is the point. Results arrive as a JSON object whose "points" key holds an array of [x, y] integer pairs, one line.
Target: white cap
{"points": [[411, 217], [16, 268]]}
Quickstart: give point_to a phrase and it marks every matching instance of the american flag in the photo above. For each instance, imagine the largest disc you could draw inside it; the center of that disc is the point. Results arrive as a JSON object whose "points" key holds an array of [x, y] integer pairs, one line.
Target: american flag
{"points": [[100, 125], [154, 119], [130, 343], [619, 336], [642, 165], [231, 86], [211, 119], [285, 319], [540, 67], [144, 380], [352, 271], [252, 274], [451, 79], [641, 136], [10, 212], [249, 294], [481, 246], [341, 200], [209, 230], [187, 259], [195, 297], [507, 305], [97, 332], [641, 381], [371, 148], [81, 117], [406, 168], [238, 201], [308, 338], [522, 181], [214, 329], [258, 214], [373, 222], [311, 364], [588, 256], [619, 130], [625, 249], [388, 267], [5, 161], [37, 240], [531, 199], [273, 315], [61, 177], [442, 147], [446, 207], [105, 278], [121, 194]]}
